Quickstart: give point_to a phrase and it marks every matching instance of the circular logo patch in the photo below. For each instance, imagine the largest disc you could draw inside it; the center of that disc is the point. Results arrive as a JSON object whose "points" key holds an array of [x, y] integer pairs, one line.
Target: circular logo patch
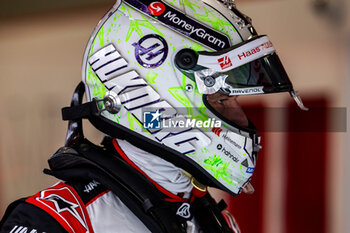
{"points": [[156, 8], [151, 51], [219, 146]]}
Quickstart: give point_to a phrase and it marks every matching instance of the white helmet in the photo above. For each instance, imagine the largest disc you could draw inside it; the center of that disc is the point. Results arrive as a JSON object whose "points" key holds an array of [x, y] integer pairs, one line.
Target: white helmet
{"points": [[149, 66]]}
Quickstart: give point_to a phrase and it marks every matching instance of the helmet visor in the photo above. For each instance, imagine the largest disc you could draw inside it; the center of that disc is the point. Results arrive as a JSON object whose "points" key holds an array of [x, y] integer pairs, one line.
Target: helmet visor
{"points": [[251, 67], [264, 75]]}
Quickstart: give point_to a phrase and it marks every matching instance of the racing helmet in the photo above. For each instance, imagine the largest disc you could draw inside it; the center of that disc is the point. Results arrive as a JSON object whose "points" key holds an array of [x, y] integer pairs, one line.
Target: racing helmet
{"points": [[149, 68]]}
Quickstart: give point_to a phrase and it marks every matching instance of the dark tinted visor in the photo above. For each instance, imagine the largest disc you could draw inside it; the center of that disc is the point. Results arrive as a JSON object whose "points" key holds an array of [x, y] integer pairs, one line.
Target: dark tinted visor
{"points": [[266, 74]]}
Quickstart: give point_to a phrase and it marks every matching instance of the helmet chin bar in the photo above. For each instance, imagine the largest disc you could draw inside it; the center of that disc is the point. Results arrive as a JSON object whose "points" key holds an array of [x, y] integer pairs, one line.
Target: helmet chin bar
{"points": [[298, 100]]}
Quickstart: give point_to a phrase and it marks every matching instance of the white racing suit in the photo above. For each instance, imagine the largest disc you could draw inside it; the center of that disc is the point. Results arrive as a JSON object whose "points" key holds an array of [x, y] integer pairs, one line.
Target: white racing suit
{"points": [[82, 204]]}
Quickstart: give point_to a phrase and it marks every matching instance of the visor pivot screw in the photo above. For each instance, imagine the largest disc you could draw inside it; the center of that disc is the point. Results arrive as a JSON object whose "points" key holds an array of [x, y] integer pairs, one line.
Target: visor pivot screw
{"points": [[189, 88], [209, 81], [112, 102]]}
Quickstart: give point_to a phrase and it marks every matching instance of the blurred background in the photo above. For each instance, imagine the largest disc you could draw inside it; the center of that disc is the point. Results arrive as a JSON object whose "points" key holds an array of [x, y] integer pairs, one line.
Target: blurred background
{"points": [[302, 180]]}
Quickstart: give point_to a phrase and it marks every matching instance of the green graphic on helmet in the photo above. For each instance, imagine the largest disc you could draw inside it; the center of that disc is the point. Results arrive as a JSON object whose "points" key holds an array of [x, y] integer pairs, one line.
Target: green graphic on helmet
{"points": [[219, 168]]}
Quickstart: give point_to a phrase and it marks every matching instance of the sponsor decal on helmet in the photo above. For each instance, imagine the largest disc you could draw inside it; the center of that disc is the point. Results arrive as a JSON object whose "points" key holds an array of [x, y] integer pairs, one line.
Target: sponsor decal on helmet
{"points": [[151, 51], [230, 141], [178, 21], [227, 152], [225, 62], [194, 30], [156, 8], [255, 50], [216, 130], [136, 94], [247, 91], [248, 52], [219, 146], [250, 170]]}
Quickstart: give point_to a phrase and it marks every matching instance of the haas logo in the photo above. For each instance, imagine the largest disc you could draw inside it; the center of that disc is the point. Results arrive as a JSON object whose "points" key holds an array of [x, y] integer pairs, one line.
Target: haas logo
{"points": [[225, 62], [151, 51]]}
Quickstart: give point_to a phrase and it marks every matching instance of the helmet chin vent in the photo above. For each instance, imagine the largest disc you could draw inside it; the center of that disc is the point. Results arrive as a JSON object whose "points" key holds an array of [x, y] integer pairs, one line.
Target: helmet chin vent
{"points": [[186, 59]]}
